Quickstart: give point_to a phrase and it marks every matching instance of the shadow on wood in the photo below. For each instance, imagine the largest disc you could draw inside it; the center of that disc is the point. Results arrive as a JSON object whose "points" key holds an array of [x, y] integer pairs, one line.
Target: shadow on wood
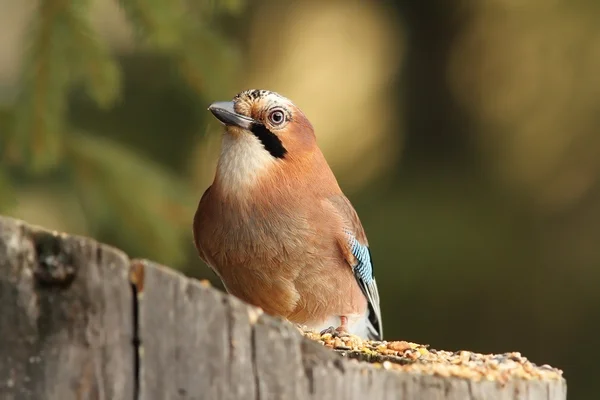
{"points": [[80, 320]]}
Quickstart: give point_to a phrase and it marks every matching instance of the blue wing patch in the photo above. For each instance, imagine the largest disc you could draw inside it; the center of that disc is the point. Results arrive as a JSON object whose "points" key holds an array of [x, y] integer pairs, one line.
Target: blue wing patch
{"points": [[364, 268], [363, 271]]}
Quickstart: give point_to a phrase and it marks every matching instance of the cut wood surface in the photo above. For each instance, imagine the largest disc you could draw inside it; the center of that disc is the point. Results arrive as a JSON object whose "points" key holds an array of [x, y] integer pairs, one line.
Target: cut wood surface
{"points": [[80, 320]]}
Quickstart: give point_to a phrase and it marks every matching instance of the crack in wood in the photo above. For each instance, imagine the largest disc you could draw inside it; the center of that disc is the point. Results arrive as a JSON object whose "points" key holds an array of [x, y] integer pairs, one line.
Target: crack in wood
{"points": [[135, 342], [253, 344]]}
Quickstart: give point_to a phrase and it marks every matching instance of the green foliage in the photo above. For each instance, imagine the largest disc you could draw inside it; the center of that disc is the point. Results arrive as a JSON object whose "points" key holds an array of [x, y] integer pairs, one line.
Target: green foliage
{"points": [[91, 61], [6, 187], [209, 78], [63, 49], [6, 191], [41, 107], [156, 23], [139, 205], [177, 26], [111, 180]]}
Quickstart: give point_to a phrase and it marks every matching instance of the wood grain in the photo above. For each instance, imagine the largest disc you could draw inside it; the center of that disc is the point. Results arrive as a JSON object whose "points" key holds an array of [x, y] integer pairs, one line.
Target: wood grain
{"points": [[79, 320], [65, 318]]}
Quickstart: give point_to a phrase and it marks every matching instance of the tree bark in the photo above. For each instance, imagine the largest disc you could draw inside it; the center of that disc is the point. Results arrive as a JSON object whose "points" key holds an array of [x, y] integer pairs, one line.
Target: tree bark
{"points": [[80, 320]]}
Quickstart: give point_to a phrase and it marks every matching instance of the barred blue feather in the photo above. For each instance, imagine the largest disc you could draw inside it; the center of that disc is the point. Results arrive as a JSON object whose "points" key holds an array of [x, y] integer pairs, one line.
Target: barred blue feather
{"points": [[363, 271]]}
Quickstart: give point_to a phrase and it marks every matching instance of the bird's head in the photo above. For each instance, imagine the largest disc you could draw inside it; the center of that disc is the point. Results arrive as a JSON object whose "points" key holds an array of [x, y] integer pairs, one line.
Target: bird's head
{"points": [[266, 135], [274, 121]]}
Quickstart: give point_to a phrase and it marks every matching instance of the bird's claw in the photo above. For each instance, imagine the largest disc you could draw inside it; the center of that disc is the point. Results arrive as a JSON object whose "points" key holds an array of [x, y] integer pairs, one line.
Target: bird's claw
{"points": [[335, 332], [330, 330]]}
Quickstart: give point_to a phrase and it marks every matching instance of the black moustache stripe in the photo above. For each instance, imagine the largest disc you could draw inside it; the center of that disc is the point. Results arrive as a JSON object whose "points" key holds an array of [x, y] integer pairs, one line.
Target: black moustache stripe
{"points": [[269, 140]]}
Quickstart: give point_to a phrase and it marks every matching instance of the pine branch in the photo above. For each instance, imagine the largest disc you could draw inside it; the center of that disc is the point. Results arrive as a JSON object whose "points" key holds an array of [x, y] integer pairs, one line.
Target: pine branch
{"points": [[42, 101], [63, 48], [156, 22], [212, 70], [205, 59], [152, 215], [6, 127], [7, 192], [208, 9], [91, 59], [233, 6]]}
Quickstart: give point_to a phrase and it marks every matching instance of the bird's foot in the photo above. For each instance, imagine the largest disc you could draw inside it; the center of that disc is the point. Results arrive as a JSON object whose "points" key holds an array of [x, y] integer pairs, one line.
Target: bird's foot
{"points": [[340, 331], [330, 330]]}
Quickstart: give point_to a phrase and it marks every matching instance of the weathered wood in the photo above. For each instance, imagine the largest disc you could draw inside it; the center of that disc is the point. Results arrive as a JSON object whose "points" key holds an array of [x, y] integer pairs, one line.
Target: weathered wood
{"points": [[73, 327], [65, 317]]}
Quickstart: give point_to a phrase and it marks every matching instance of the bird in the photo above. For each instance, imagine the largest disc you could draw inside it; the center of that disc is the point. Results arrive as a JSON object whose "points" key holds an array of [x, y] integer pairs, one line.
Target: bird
{"points": [[277, 229]]}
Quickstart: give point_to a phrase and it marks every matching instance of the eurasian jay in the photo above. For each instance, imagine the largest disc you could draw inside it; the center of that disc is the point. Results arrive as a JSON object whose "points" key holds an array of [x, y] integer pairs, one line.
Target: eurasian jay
{"points": [[276, 227]]}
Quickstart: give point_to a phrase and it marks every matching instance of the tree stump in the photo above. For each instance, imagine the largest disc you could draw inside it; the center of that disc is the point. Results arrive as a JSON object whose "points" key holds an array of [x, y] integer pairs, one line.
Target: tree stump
{"points": [[80, 320]]}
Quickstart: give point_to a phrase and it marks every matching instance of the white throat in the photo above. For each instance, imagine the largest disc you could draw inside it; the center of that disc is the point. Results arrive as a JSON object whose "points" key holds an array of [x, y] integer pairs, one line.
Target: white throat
{"points": [[243, 160]]}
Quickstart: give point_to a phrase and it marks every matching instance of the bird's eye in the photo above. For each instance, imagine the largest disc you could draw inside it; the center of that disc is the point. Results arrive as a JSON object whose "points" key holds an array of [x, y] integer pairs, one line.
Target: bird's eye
{"points": [[276, 117]]}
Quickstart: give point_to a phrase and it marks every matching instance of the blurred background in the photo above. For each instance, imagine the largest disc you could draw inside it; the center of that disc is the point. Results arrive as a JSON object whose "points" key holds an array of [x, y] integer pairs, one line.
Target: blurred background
{"points": [[476, 124]]}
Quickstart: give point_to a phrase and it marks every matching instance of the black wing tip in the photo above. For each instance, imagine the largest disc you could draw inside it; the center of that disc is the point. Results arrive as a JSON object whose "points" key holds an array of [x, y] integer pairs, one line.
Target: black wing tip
{"points": [[375, 328], [375, 334]]}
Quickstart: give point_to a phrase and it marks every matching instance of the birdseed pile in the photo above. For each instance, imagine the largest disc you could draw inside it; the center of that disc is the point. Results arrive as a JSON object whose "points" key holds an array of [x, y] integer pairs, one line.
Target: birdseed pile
{"points": [[406, 356]]}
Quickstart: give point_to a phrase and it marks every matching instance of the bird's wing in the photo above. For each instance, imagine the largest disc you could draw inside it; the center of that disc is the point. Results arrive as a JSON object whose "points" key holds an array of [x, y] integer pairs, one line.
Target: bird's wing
{"points": [[356, 251], [195, 226]]}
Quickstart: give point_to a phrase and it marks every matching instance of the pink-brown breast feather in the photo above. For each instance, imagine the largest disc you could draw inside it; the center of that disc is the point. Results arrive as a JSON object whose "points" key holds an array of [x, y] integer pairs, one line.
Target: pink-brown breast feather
{"points": [[253, 245], [278, 246]]}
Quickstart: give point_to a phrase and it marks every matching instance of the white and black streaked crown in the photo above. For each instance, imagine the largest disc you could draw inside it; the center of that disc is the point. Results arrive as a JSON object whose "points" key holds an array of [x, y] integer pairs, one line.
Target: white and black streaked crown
{"points": [[254, 94]]}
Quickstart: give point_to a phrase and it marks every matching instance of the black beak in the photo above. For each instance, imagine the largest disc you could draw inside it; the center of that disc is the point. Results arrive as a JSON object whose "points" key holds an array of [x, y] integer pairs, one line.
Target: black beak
{"points": [[225, 113]]}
